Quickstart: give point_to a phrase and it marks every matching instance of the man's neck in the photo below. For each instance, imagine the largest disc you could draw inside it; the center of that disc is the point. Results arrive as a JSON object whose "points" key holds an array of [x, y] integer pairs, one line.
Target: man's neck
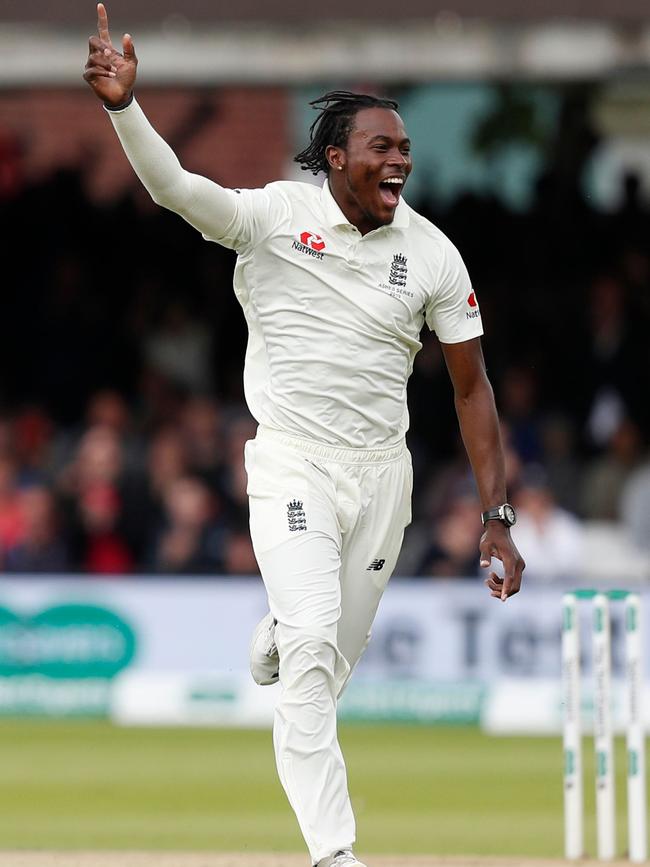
{"points": [[350, 208]]}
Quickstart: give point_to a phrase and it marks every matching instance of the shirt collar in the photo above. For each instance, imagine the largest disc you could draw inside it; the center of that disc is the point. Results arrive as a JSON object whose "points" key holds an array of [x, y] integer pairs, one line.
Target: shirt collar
{"points": [[334, 216]]}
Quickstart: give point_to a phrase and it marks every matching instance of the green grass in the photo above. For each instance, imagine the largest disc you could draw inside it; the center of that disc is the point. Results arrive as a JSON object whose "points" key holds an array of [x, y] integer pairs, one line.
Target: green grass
{"points": [[415, 789]]}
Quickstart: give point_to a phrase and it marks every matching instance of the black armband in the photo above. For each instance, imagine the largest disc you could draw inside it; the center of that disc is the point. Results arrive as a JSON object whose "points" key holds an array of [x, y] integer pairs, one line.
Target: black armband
{"points": [[121, 106]]}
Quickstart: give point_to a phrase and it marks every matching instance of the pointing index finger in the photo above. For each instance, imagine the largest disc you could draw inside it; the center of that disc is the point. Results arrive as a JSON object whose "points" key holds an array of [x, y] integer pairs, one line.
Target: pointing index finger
{"points": [[102, 24]]}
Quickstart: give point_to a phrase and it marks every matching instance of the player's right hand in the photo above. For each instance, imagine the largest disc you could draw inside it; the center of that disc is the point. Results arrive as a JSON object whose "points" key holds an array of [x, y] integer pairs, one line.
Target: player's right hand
{"points": [[110, 74]]}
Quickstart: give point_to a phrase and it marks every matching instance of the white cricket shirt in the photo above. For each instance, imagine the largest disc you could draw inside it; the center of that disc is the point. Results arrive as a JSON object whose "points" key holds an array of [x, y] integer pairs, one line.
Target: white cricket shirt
{"points": [[334, 318]]}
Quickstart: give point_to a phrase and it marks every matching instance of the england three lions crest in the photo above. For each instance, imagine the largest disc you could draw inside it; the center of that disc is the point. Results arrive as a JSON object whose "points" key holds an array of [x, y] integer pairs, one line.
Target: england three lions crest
{"points": [[296, 516], [398, 270]]}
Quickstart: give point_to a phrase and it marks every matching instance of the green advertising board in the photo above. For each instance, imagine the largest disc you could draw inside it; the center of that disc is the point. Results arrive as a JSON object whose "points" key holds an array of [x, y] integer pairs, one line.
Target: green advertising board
{"points": [[60, 660], [414, 701]]}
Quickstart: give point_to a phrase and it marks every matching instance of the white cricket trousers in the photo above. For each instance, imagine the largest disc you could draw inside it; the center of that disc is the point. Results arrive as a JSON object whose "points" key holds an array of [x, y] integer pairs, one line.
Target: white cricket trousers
{"points": [[327, 527]]}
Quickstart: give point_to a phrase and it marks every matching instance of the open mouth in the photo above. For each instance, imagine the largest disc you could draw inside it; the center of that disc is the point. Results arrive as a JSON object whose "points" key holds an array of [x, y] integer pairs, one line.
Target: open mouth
{"points": [[390, 189]]}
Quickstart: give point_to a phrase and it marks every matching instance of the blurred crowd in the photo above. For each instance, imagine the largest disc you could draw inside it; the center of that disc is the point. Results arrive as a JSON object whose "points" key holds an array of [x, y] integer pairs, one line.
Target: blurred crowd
{"points": [[104, 498], [122, 419]]}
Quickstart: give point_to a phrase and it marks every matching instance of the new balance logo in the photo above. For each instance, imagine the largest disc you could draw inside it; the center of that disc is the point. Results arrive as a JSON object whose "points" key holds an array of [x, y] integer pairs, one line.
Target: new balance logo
{"points": [[296, 516], [376, 566], [398, 271]]}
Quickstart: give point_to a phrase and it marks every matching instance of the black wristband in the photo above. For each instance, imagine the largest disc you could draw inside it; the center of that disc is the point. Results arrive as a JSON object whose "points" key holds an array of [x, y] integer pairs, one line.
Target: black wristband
{"points": [[120, 107]]}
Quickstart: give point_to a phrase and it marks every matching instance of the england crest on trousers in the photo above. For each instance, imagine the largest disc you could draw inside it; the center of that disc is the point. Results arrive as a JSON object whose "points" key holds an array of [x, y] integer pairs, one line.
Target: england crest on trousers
{"points": [[296, 516]]}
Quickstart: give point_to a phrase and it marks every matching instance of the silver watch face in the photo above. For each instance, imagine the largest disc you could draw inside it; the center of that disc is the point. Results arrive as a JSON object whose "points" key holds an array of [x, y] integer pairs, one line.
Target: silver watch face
{"points": [[509, 514]]}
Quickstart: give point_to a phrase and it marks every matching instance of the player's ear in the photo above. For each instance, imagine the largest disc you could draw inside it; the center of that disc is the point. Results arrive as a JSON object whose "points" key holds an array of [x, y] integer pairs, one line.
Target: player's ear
{"points": [[335, 157]]}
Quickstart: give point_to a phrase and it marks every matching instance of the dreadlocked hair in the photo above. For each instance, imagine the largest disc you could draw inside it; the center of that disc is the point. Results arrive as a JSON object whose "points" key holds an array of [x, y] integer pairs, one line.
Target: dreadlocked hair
{"points": [[333, 124]]}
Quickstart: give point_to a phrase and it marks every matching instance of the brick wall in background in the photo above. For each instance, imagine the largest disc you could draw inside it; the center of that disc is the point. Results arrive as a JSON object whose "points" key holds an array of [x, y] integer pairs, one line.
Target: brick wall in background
{"points": [[239, 136]]}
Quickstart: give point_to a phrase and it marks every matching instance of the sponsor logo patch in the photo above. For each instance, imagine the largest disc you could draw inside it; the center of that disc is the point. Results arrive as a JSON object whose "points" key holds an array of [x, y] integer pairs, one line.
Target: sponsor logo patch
{"points": [[474, 313], [311, 244]]}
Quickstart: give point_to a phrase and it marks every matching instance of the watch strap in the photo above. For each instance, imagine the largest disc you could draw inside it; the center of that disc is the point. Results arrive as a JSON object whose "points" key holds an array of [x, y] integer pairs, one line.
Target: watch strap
{"points": [[499, 513], [492, 515]]}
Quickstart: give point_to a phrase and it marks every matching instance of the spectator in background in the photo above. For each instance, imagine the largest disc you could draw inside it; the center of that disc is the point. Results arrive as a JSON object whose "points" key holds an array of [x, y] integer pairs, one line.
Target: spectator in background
{"points": [[40, 547], [561, 462], [108, 409], [554, 538], [98, 459], [32, 440], [192, 538], [616, 360], [7, 437], [104, 548], [454, 478], [239, 430], [201, 429], [160, 401], [91, 485], [519, 411], [165, 462], [605, 476], [450, 483], [11, 518], [452, 550]]}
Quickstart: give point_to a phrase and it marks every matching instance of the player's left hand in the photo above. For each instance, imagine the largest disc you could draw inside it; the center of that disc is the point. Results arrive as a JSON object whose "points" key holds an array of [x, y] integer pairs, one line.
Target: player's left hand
{"points": [[497, 542]]}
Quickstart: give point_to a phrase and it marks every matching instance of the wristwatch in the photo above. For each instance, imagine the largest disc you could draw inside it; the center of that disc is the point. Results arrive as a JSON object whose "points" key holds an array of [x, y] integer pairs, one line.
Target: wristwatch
{"points": [[505, 513]]}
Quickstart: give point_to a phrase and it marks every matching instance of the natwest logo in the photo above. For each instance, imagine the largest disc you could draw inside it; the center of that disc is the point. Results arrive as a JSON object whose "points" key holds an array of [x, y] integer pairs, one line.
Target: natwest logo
{"points": [[309, 239], [311, 244], [474, 313]]}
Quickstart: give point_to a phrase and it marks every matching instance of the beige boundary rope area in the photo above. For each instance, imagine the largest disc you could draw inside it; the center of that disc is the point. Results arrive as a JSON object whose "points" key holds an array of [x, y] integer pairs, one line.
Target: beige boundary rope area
{"points": [[258, 859]]}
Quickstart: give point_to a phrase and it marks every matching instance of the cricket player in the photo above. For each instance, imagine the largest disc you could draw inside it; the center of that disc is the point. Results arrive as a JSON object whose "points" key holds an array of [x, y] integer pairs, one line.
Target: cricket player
{"points": [[336, 283]]}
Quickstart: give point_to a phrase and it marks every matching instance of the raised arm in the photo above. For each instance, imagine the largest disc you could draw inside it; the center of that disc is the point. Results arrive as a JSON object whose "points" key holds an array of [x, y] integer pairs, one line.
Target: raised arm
{"points": [[207, 206], [479, 426]]}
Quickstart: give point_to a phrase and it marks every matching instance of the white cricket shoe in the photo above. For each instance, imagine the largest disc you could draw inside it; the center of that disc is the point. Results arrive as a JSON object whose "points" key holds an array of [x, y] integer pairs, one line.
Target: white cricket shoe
{"points": [[264, 658], [344, 858]]}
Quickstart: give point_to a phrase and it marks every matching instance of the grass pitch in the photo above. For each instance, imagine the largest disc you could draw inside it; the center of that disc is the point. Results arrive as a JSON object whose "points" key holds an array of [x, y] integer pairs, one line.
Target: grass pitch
{"points": [[91, 786]]}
